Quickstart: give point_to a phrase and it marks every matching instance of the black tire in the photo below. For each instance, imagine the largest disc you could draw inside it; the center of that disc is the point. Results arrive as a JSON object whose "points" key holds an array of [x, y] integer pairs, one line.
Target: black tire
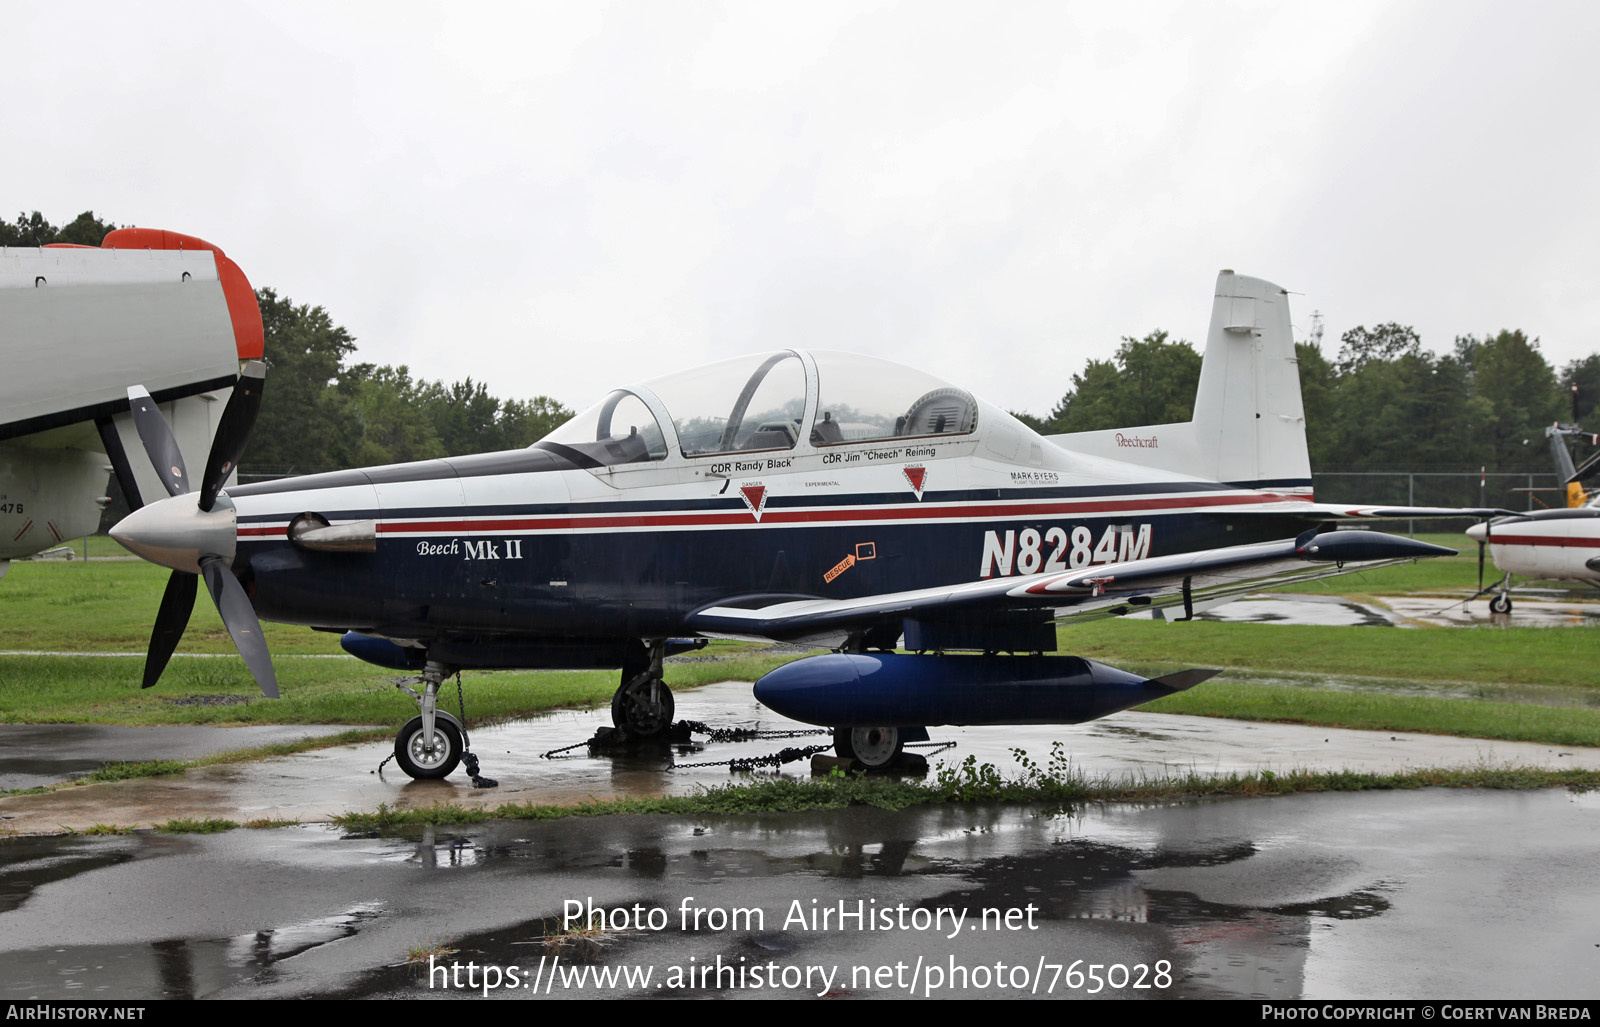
{"points": [[871, 747], [631, 710], [1500, 604], [421, 764]]}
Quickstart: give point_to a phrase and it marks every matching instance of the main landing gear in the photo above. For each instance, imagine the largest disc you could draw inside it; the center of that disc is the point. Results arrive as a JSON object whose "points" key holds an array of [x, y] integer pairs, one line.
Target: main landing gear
{"points": [[433, 744], [1501, 601], [873, 748], [642, 706]]}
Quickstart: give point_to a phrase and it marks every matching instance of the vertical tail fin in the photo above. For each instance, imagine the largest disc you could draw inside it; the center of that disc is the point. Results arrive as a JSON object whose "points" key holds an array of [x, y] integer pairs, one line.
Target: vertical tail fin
{"points": [[1249, 426]]}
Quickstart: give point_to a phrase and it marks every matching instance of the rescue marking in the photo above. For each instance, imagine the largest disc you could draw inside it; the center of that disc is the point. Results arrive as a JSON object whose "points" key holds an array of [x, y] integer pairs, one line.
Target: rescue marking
{"points": [[755, 497]]}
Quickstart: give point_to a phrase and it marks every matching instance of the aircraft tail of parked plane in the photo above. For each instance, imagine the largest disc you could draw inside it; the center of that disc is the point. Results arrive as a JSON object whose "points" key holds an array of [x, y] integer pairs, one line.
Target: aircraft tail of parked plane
{"points": [[793, 495], [1249, 427], [77, 324]]}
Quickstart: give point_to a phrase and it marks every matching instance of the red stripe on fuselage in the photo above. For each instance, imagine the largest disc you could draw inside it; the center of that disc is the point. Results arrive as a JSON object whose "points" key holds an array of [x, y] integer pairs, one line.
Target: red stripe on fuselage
{"points": [[1545, 540], [559, 522]]}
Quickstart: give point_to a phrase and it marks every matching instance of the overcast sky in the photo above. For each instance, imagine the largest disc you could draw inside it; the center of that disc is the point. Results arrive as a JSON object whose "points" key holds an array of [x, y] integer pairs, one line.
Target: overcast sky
{"points": [[558, 198]]}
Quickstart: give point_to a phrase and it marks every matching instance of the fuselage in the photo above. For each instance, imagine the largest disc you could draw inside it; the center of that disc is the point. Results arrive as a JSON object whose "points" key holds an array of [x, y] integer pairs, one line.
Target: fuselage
{"points": [[608, 531], [1563, 544]]}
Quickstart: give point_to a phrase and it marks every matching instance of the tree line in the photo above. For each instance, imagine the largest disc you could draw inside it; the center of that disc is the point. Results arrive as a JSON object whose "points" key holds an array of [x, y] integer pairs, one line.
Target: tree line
{"points": [[1381, 403], [321, 412]]}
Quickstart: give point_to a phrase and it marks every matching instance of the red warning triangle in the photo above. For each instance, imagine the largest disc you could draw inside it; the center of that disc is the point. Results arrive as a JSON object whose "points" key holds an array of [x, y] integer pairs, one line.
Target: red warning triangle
{"points": [[916, 475], [754, 496]]}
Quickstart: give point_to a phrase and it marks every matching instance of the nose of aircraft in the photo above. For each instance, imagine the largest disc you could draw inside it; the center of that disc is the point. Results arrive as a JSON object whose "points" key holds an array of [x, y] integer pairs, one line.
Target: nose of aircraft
{"points": [[1476, 532], [176, 533]]}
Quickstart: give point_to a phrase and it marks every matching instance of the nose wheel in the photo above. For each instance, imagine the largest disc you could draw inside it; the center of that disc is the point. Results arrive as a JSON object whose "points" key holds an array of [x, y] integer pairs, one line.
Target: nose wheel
{"points": [[428, 758], [429, 747]]}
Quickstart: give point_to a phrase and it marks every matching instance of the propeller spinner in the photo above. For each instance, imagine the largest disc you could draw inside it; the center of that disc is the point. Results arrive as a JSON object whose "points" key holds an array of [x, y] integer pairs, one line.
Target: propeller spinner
{"points": [[194, 533]]}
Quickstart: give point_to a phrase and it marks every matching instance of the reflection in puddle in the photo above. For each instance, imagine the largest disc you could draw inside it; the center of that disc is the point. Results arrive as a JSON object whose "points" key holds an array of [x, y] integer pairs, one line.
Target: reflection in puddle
{"points": [[174, 968]]}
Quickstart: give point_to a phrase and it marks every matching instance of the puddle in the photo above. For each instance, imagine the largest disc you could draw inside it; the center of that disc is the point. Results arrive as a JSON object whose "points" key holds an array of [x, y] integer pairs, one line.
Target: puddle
{"points": [[31, 862], [1525, 612], [1535, 608], [1331, 611], [172, 968]]}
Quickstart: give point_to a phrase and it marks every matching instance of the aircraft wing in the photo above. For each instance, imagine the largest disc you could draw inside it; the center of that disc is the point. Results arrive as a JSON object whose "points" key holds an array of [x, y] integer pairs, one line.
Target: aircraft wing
{"points": [[1351, 511], [1106, 590]]}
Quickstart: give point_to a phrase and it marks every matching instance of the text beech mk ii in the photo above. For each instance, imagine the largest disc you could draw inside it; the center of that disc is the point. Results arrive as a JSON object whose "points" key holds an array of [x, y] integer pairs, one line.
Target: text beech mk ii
{"points": [[795, 496]]}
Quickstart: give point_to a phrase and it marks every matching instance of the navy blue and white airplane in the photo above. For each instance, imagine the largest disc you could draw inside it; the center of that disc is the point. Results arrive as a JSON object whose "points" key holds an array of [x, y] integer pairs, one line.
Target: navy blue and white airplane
{"points": [[798, 496]]}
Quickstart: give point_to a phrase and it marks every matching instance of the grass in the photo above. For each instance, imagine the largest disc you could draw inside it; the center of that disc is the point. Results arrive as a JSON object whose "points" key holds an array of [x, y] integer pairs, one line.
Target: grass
{"points": [[105, 690], [121, 771], [1531, 684], [1056, 782], [584, 943], [1468, 718], [1435, 574], [1527, 656], [425, 951], [971, 782], [187, 825]]}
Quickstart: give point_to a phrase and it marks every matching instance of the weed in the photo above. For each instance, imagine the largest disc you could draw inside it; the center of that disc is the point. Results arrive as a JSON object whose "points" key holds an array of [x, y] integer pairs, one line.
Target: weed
{"points": [[185, 825], [119, 771], [429, 950], [1058, 784], [584, 943]]}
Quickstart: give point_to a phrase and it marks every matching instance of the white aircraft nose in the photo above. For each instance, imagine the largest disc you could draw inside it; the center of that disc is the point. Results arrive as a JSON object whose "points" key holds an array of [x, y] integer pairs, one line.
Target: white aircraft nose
{"points": [[175, 533], [1476, 532]]}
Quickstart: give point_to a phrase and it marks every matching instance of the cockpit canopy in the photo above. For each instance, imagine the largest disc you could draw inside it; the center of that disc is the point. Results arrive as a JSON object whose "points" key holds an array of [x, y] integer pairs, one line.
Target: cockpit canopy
{"points": [[767, 402]]}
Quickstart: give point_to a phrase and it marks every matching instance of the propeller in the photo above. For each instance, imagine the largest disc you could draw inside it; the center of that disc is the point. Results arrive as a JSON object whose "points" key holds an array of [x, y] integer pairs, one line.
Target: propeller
{"points": [[1482, 542], [194, 532]]}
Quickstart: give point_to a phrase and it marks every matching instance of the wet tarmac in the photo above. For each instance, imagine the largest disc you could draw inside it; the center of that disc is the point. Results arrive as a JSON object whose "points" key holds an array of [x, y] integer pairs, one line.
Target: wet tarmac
{"points": [[44, 754], [1525, 612], [1556, 609], [1428, 894], [313, 786]]}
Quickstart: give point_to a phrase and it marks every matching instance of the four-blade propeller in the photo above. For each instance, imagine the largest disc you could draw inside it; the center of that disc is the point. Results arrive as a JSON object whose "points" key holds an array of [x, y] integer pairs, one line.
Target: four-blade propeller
{"points": [[194, 532]]}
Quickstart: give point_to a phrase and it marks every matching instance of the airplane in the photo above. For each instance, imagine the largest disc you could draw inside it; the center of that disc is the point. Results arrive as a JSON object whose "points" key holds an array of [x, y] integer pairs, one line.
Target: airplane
{"points": [[1560, 543], [77, 323], [820, 497]]}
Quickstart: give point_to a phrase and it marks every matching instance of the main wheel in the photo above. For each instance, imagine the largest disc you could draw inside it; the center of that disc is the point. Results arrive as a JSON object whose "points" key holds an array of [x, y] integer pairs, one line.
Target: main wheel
{"points": [[421, 760], [872, 747], [632, 711], [1500, 603]]}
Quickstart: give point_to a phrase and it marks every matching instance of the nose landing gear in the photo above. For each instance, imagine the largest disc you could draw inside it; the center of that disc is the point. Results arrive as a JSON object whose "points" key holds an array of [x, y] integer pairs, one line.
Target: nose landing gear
{"points": [[433, 744]]}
